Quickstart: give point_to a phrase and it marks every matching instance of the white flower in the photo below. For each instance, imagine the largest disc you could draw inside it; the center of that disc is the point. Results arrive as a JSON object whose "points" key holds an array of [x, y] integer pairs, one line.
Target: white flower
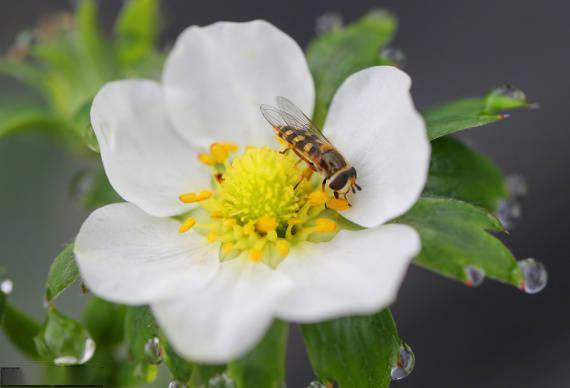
{"points": [[216, 288]]}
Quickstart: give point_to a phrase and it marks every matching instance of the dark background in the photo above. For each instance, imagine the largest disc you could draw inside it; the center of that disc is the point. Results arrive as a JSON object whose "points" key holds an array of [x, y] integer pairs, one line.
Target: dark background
{"points": [[491, 336]]}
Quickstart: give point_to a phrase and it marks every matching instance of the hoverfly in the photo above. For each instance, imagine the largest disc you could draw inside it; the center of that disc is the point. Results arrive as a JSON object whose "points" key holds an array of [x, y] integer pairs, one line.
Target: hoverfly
{"points": [[308, 142]]}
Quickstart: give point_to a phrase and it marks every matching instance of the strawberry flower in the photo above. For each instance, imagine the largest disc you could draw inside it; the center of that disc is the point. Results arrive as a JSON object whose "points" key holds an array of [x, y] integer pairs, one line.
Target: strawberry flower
{"points": [[216, 234]]}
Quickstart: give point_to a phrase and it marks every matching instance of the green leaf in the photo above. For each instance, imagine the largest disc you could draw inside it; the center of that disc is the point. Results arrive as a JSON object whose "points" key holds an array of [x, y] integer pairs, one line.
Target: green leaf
{"points": [[105, 321], [473, 112], [458, 172], [263, 367], [63, 340], [16, 117], [140, 326], [339, 53], [455, 236], [354, 351], [180, 368], [96, 52], [62, 273], [20, 329], [92, 189], [137, 30]]}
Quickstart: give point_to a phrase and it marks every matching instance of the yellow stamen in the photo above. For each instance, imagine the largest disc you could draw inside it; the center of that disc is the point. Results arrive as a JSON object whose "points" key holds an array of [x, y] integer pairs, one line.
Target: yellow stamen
{"points": [[186, 225], [227, 247], [255, 255], [212, 236], [318, 198], [193, 197], [294, 221], [325, 225], [282, 247], [229, 147], [337, 204], [266, 224], [216, 214], [248, 229], [206, 159], [219, 152]]}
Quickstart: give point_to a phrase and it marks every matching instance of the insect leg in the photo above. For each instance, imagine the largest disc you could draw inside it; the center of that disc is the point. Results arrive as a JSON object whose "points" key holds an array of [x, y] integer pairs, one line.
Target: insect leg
{"points": [[324, 183], [307, 174]]}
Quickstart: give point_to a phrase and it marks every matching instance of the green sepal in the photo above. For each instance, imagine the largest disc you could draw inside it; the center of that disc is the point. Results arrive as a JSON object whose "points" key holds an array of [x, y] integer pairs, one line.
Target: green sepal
{"points": [[180, 368], [63, 340], [473, 112], [264, 366], [140, 326], [20, 329], [105, 321], [337, 54], [354, 352], [62, 273], [455, 235], [458, 172], [203, 373]]}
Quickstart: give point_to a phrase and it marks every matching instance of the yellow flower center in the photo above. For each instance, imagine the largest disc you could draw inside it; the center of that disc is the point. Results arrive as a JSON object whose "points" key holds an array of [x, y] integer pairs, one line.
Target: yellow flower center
{"points": [[260, 204]]}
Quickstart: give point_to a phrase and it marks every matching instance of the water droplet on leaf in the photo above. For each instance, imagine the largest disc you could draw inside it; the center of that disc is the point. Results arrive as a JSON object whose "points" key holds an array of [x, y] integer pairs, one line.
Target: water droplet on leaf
{"points": [[510, 91], [153, 350], [6, 286], [316, 384], [516, 185], [534, 274], [221, 380], [393, 56], [405, 364], [328, 22], [475, 276], [177, 384], [509, 212]]}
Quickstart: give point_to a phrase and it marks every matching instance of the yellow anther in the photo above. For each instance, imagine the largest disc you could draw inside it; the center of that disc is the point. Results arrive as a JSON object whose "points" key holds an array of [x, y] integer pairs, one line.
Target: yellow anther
{"points": [[227, 247], [248, 229], [193, 197], [186, 225], [206, 159], [337, 204], [229, 222], [229, 147], [325, 225], [282, 247], [294, 221], [266, 224], [212, 236], [317, 198], [216, 214], [255, 254], [219, 152]]}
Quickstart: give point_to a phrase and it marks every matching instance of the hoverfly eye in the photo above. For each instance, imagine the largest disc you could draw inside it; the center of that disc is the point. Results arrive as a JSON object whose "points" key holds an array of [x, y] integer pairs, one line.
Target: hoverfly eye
{"points": [[339, 181]]}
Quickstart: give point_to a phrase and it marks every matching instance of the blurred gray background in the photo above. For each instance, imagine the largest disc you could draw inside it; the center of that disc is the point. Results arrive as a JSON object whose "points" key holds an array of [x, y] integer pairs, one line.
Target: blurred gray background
{"points": [[491, 336]]}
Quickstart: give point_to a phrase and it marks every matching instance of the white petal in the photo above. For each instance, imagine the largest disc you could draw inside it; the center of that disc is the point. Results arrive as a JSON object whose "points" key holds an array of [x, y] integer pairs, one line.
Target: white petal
{"points": [[355, 273], [217, 76], [226, 318], [373, 122], [147, 161], [128, 256]]}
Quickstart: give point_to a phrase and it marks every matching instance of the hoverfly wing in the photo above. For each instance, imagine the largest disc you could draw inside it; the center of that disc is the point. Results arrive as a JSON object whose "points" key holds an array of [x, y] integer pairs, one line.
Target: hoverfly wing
{"points": [[299, 119], [273, 116]]}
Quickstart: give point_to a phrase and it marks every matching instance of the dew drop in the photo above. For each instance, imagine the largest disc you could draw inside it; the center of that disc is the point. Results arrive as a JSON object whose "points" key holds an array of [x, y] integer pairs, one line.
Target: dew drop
{"points": [[516, 185], [153, 350], [177, 384], [509, 212], [405, 364], [81, 184], [316, 384], [394, 56], [510, 91], [88, 351], [6, 286], [328, 22], [535, 276], [221, 380], [475, 276]]}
